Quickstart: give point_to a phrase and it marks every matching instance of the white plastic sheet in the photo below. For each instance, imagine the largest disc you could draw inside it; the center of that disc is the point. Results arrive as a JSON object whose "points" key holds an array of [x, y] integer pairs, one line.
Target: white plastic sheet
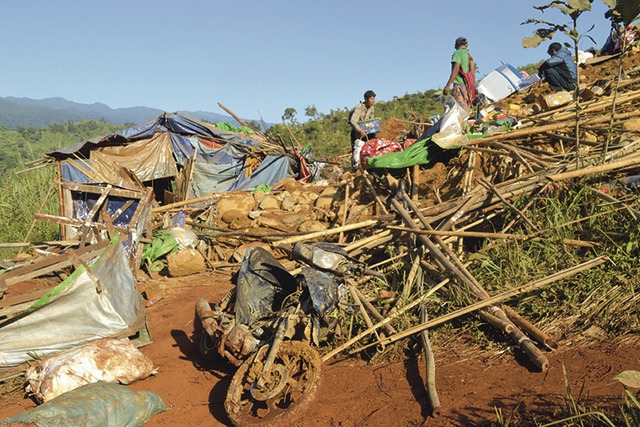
{"points": [[103, 302], [453, 126]]}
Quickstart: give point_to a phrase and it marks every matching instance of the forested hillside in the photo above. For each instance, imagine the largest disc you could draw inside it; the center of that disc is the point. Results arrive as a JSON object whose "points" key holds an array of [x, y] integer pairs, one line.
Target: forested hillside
{"points": [[26, 144]]}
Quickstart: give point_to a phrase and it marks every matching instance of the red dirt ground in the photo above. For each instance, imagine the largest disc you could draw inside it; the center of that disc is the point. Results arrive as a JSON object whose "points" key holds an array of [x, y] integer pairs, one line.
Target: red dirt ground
{"points": [[471, 383]]}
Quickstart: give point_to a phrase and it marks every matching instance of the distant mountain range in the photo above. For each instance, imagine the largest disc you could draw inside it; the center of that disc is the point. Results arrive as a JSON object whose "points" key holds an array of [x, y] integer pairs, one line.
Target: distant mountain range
{"points": [[37, 113]]}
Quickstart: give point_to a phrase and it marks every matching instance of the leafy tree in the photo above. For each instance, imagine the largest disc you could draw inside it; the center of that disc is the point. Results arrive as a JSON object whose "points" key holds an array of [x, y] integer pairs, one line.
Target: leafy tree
{"points": [[311, 111], [290, 116]]}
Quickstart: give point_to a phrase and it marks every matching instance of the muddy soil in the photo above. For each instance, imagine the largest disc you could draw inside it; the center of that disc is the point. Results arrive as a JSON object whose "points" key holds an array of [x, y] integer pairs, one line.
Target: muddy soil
{"points": [[471, 382]]}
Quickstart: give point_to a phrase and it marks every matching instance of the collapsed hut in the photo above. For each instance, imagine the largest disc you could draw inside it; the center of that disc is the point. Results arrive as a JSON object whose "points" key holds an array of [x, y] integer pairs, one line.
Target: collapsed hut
{"points": [[106, 188], [425, 209]]}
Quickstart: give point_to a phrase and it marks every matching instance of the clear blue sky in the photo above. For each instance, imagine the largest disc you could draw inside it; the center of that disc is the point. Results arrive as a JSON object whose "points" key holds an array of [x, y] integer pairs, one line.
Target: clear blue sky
{"points": [[257, 57]]}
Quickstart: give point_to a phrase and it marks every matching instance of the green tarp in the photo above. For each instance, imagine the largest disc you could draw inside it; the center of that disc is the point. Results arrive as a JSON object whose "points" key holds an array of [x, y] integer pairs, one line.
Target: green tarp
{"points": [[420, 153]]}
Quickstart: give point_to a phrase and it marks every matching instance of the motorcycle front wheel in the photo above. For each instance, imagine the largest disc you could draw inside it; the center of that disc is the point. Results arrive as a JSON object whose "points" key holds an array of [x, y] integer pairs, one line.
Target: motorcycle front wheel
{"points": [[284, 392]]}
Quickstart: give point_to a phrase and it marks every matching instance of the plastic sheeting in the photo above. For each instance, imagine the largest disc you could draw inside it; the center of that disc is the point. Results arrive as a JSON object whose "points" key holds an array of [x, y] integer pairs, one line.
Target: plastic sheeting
{"points": [[214, 178], [453, 126], [419, 153], [263, 284], [156, 149], [208, 152], [271, 170], [93, 405], [176, 123], [101, 302], [148, 158]]}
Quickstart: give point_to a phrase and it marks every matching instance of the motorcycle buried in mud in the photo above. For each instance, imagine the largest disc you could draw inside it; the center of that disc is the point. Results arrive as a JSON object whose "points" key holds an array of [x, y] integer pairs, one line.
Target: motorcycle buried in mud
{"points": [[266, 326]]}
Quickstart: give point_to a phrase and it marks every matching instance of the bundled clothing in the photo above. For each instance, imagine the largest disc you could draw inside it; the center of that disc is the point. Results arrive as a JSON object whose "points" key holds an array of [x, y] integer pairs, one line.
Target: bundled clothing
{"points": [[559, 71]]}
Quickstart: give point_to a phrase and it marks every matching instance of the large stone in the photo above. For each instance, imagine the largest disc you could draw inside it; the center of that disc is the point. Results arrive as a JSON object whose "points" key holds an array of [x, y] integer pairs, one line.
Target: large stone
{"points": [[304, 198], [241, 202], [240, 223], [326, 198], [270, 222], [185, 263], [258, 196], [288, 203], [311, 226], [294, 219], [269, 202], [233, 215], [289, 184]]}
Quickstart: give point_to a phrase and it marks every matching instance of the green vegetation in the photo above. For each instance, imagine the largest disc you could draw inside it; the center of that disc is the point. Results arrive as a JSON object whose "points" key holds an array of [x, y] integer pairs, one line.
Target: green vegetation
{"points": [[21, 196], [22, 145], [605, 298]]}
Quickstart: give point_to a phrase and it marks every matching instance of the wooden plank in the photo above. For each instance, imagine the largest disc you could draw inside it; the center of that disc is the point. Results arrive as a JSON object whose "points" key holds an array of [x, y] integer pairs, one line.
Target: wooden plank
{"points": [[20, 299], [50, 265], [99, 202], [10, 312], [118, 192], [75, 222]]}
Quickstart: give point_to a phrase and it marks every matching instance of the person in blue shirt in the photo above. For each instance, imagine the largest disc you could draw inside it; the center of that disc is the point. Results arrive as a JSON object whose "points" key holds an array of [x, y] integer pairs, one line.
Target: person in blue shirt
{"points": [[559, 70]]}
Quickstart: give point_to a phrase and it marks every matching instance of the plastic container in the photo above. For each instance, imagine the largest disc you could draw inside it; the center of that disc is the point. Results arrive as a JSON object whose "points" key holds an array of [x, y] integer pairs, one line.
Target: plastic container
{"points": [[370, 126]]}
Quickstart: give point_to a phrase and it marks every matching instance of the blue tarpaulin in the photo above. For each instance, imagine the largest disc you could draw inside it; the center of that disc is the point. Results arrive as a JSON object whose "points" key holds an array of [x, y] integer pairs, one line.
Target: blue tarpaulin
{"points": [[155, 149]]}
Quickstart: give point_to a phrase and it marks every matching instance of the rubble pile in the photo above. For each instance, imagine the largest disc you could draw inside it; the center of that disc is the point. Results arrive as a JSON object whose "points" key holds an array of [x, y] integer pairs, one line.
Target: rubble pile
{"points": [[416, 217]]}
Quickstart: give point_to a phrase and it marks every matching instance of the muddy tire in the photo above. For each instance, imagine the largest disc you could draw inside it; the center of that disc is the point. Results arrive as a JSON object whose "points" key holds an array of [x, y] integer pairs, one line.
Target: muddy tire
{"points": [[292, 384]]}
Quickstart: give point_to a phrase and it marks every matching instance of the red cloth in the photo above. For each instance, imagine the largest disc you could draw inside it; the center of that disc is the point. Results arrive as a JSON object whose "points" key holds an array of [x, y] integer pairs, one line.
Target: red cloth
{"points": [[303, 173], [377, 147], [470, 79]]}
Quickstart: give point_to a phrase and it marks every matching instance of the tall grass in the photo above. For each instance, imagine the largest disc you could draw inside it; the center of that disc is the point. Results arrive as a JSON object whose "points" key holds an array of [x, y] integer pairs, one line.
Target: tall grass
{"points": [[21, 196], [605, 297]]}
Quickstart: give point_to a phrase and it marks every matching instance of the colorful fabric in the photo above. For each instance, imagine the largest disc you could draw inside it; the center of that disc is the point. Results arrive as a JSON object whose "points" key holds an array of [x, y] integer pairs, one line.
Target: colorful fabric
{"points": [[420, 153], [377, 147], [461, 95], [470, 79]]}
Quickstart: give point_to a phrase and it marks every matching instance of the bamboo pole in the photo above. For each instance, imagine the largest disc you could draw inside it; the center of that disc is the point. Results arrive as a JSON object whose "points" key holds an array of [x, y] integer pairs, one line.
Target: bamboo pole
{"points": [[456, 267], [495, 191], [372, 310], [367, 180], [479, 234], [238, 119], [595, 169], [430, 360], [381, 323], [487, 302], [344, 214], [41, 244], [363, 311], [186, 203], [325, 233], [33, 223], [531, 330]]}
